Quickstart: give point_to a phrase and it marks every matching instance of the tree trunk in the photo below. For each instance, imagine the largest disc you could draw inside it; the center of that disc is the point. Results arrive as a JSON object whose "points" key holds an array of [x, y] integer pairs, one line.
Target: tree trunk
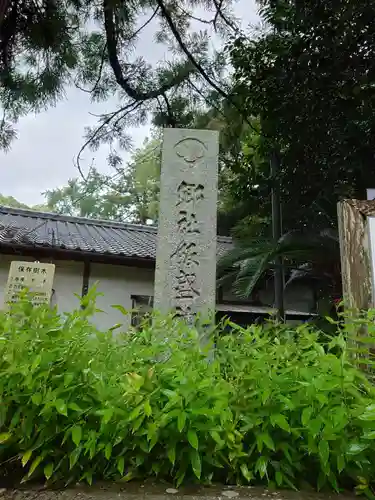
{"points": [[4, 4]]}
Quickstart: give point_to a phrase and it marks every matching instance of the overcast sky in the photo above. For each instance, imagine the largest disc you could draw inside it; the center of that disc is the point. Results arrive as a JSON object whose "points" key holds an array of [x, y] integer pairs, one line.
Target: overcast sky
{"points": [[42, 156]]}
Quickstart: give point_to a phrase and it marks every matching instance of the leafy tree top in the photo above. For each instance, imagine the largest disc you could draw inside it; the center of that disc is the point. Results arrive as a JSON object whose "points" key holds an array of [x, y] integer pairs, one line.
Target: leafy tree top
{"points": [[93, 45], [310, 77]]}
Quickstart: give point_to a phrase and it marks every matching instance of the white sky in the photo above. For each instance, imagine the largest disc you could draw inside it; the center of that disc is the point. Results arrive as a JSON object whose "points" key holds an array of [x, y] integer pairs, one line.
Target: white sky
{"points": [[42, 156]]}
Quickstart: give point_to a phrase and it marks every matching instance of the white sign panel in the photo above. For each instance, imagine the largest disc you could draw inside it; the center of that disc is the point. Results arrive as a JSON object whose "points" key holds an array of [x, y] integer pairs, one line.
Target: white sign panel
{"points": [[370, 194], [35, 276]]}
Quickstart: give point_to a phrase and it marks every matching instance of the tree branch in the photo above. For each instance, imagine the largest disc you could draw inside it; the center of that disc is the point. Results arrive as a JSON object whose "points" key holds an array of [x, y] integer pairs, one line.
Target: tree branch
{"points": [[210, 102], [194, 18], [186, 51], [220, 13], [136, 33], [99, 77], [171, 118], [137, 95], [198, 66], [128, 109]]}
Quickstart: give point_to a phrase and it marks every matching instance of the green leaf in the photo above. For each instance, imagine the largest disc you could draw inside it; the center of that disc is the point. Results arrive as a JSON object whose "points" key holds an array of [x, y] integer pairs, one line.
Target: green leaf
{"points": [[136, 412], [279, 478], [267, 440], [369, 413], [61, 407], [265, 395], [356, 448], [74, 407], [36, 398], [280, 421], [115, 327], [121, 308], [34, 465], [36, 362], [48, 471], [88, 477], [322, 480], [147, 408], [68, 379], [196, 464], [73, 457], [314, 426], [181, 420], [26, 457], [4, 437], [193, 438], [76, 434], [260, 443], [107, 415], [108, 451], [128, 477], [323, 448], [261, 466], [121, 465], [246, 473], [340, 462], [216, 437], [172, 454], [182, 468], [306, 415]]}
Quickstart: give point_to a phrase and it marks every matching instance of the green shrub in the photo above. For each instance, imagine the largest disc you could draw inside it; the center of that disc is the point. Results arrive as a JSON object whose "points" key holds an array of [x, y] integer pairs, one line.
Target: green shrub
{"points": [[272, 406]]}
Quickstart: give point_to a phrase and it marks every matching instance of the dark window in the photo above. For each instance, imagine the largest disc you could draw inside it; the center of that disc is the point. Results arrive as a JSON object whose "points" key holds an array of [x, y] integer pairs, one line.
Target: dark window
{"points": [[142, 306]]}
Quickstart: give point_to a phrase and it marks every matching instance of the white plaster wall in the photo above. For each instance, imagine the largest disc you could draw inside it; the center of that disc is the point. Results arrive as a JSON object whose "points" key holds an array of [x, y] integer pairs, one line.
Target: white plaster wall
{"points": [[118, 284], [67, 280]]}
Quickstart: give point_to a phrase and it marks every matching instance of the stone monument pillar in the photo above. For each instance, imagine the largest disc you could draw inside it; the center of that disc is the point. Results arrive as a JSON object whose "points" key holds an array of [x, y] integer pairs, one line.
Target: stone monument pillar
{"points": [[185, 275]]}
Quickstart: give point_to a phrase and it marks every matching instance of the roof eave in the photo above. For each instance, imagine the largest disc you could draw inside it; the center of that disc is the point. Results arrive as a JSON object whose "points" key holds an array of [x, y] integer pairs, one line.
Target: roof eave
{"points": [[60, 253]]}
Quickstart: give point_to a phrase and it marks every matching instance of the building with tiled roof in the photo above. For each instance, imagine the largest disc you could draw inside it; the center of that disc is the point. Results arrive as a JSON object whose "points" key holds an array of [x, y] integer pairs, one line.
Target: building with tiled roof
{"points": [[90, 237], [116, 256]]}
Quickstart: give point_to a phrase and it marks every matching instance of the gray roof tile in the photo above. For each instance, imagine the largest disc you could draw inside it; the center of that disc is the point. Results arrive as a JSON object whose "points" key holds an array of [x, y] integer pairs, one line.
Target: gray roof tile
{"points": [[39, 229]]}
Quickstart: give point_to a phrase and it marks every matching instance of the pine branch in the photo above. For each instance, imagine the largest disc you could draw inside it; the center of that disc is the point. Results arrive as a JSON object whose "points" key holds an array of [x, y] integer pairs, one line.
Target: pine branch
{"points": [[186, 51], [198, 66], [220, 13], [146, 23], [171, 118], [129, 108], [99, 77], [133, 93]]}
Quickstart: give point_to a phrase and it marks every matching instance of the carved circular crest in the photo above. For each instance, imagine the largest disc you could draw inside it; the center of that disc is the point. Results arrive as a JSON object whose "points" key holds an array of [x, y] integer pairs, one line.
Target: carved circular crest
{"points": [[190, 150]]}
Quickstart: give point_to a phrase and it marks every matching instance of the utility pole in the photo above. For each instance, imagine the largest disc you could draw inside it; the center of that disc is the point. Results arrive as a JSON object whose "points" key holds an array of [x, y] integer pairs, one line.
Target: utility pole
{"points": [[276, 234]]}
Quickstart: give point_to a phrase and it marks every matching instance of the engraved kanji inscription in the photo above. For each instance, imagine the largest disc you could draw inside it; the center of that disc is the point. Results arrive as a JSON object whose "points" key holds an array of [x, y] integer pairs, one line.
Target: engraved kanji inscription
{"points": [[186, 246], [188, 193], [187, 222], [186, 285], [186, 254]]}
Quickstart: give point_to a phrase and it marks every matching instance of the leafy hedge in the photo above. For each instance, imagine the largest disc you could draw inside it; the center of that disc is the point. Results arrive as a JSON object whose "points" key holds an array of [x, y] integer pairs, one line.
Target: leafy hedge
{"points": [[271, 406]]}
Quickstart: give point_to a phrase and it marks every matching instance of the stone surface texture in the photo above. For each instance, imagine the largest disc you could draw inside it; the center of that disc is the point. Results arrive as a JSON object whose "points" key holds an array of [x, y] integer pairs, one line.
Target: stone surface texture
{"points": [[149, 492], [185, 275]]}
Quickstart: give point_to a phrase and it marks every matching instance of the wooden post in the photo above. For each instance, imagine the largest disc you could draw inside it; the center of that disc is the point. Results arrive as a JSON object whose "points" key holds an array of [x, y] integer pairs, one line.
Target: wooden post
{"points": [[356, 269], [278, 274], [357, 247]]}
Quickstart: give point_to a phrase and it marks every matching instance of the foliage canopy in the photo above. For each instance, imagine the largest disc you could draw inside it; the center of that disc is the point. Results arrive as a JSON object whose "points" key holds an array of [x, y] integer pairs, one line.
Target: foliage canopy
{"points": [[310, 78], [93, 45]]}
